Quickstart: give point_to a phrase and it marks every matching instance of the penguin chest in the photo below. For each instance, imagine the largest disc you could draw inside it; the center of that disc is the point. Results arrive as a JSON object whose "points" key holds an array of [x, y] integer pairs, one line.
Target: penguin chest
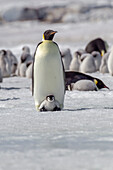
{"points": [[110, 63], [48, 74]]}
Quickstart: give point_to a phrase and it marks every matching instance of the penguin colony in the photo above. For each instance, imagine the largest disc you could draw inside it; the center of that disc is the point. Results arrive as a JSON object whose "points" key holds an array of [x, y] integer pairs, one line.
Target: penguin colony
{"points": [[60, 70]]}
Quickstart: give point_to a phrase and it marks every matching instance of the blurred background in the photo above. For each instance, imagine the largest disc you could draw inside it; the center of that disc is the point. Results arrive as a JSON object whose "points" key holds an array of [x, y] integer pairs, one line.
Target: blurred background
{"points": [[77, 22]]}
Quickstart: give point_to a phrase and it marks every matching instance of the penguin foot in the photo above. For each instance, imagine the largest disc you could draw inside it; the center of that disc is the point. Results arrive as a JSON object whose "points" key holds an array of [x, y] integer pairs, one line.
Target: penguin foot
{"points": [[57, 109], [43, 109]]}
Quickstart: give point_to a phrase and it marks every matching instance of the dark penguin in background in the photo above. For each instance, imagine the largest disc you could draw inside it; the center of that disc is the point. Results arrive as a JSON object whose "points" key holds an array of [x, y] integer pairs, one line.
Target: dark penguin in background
{"points": [[48, 73], [97, 44], [73, 77]]}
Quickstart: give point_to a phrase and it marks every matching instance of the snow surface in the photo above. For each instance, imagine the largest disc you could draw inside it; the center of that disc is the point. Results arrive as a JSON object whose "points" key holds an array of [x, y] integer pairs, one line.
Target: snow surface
{"points": [[80, 137]]}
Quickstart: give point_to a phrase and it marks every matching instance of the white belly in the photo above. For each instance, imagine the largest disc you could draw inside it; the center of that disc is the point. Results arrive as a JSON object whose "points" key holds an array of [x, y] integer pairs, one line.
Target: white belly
{"points": [[48, 73], [110, 62]]}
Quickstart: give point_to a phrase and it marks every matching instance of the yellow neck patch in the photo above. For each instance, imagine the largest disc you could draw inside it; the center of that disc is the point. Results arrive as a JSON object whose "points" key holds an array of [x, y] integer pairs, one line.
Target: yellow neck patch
{"points": [[102, 52], [95, 81], [43, 37]]}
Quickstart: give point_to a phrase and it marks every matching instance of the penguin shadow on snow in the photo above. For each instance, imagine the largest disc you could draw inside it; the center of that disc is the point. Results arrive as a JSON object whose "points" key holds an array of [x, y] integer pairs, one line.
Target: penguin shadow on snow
{"points": [[83, 109], [79, 109], [13, 88], [14, 98], [10, 88]]}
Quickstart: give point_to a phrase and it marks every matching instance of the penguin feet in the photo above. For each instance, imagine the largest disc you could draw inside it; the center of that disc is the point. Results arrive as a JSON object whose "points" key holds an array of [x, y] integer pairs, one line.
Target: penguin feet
{"points": [[57, 109], [43, 109]]}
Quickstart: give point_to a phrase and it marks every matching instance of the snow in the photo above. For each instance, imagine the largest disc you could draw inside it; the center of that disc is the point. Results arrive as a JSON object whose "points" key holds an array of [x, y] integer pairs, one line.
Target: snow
{"points": [[78, 137]]}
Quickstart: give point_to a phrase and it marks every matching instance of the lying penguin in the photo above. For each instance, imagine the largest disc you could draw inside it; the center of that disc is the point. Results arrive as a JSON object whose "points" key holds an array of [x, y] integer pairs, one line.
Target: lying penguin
{"points": [[83, 85], [73, 77], [50, 104]]}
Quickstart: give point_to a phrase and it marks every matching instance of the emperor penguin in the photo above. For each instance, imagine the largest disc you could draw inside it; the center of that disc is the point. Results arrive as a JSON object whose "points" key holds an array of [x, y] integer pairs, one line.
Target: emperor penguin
{"points": [[110, 62], [83, 85], [97, 44], [71, 77], [48, 72], [104, 63]]}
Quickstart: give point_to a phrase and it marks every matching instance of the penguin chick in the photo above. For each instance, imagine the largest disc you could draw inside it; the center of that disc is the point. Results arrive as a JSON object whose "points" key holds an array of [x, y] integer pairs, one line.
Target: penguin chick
{"points": [[97, 59], [66, 58], [49, 104], [5, 64], [29, 71], [1, 79], [25, 56], [22, 70], [75, 63], [88, 64], [83, 85], [13, 60]]}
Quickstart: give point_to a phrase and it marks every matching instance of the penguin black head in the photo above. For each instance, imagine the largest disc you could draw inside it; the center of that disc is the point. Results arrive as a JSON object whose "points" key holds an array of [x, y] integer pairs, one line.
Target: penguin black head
{"points": [[49, 34], [100, 84], [3, 52], [50, 98]]}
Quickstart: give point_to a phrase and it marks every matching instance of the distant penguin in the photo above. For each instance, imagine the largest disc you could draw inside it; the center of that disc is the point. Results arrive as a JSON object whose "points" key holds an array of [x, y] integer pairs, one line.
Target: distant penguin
{"points": [[97, 44], [110, 62], [48, 72], [25, 59], [26, 56], [104, 63], [87, 63], [5, 64], [97, 58], [66, 58], [75, 63], [1, 78], [22, 70], [29, 71], [50, 104], [73, 76], [83, 85], [13, 61]]}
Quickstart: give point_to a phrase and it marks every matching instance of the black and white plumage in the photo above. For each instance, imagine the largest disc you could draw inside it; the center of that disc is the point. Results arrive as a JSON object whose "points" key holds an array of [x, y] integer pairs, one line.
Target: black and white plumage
{"points": [[110, 62], [48, 72], [73, 76], [13, 61], [5, 64], [50, 104], [97, 44], [83, 85]]}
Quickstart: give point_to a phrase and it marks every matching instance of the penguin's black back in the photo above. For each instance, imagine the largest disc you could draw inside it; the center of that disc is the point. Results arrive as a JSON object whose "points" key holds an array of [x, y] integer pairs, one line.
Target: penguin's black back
{"points": [[73, 77], [96, 45]]}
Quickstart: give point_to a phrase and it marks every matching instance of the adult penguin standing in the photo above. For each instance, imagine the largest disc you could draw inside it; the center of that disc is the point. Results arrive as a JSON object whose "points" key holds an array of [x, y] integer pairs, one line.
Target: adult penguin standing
{"points": [[48, 73]]}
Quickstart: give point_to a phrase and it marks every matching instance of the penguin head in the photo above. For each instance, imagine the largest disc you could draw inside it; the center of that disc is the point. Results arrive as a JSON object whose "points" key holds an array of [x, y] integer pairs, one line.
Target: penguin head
{"points": [[50, 98], [49, 34], [3, 52], [100, 84]]}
